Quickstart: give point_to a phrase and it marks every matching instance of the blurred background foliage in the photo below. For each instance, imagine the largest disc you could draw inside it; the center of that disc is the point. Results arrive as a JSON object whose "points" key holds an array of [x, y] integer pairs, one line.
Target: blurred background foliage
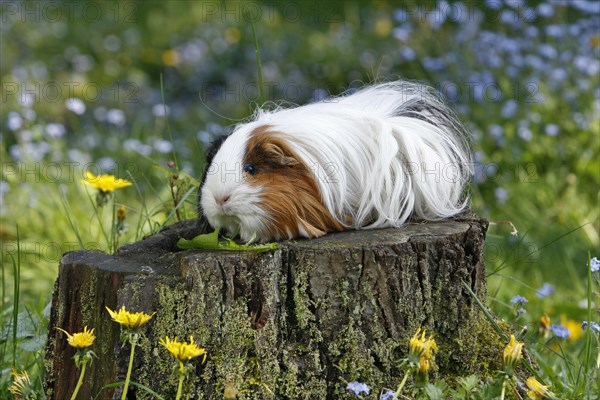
{"points": [[81, 90]]}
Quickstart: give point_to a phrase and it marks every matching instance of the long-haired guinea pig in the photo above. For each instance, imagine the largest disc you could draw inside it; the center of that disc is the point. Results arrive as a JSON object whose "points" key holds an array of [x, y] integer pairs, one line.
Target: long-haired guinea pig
{"points": [[371, 159]]}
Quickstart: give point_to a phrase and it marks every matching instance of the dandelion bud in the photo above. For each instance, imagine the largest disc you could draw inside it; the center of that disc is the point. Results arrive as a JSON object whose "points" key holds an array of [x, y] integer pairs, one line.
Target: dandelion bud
{"points": [[544, 326], [512, 354], [421, 351], [420, 346], [424, 365], [121, 213], [537, 391], [21, 386]]}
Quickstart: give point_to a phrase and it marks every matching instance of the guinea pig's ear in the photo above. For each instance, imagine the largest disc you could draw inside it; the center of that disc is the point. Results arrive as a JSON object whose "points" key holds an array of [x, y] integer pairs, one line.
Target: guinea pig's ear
{"points": [[280, 154]]}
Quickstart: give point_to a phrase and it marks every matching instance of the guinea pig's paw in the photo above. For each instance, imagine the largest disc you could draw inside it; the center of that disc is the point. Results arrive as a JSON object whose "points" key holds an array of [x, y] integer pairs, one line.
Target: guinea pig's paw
{"points": [[252, 236], [254, 228], [252, 239], [232, 230]]}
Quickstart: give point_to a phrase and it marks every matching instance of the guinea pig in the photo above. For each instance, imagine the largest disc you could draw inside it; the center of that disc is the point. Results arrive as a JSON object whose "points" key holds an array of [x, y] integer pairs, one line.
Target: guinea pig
{"points": [[379, 157]]}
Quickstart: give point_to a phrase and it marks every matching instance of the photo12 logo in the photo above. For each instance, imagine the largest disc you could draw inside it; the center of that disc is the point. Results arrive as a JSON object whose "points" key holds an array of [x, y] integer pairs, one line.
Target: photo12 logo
{"points": [[237, 92], [53, 92], [51, 252], [69, 11], [271, 11], [60, 172]]}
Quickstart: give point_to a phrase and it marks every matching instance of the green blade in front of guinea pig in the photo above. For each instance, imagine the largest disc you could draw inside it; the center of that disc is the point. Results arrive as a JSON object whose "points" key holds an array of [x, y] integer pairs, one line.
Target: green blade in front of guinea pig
{"points": [[207, 241], [210, 241]]}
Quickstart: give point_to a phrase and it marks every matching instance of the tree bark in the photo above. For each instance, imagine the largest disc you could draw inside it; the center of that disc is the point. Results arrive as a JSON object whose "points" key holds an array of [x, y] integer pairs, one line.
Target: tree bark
{"points": [[298, 322]]}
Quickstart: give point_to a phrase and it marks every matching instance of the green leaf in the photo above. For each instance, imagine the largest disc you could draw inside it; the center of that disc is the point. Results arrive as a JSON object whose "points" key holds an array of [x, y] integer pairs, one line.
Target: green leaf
{"points": [[208, 241], [469, 383], [188, 180], [211, 241], [26, 327], [491, 390], [436, 392], [34, 344]]}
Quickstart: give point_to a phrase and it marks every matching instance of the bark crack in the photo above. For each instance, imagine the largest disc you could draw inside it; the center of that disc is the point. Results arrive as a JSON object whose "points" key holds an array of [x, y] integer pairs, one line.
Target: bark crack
{"points": [[421, 277]]}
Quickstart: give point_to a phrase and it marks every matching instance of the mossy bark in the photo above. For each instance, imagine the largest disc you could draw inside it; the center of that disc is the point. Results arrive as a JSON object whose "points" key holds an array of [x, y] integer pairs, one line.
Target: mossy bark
{"points": [[298, 322]]}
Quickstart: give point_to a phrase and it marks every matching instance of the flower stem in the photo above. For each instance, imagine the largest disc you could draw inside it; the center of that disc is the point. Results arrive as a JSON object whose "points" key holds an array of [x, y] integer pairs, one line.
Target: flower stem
{"points": [[502, 394], [112, 247], [79, 382], [180, 386], [128, 377], [401, 386]]}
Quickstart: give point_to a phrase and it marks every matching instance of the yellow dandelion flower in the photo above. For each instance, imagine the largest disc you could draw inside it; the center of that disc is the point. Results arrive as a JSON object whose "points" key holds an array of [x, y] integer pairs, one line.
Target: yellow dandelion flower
{"points": [[544, 322], [131, 322], [128, 319], [420, 346], [512, 352], [233, 35], [104, 183], [537, 391], [21, 385], [171, 57], [573, 326], [80, 340], [183, 351], [383, 27]]}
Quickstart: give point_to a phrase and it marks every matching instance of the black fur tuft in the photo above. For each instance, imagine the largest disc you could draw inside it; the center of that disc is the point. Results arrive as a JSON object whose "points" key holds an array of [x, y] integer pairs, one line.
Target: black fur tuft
{"points": [[203, 224]]}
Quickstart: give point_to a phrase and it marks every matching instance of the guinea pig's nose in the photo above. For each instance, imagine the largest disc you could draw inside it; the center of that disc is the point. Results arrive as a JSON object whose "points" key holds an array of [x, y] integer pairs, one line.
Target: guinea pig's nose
{"points": [[222, 200]]}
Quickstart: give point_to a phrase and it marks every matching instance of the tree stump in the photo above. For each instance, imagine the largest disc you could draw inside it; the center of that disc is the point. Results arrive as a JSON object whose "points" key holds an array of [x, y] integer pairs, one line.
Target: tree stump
{"points": [[298, 322]]}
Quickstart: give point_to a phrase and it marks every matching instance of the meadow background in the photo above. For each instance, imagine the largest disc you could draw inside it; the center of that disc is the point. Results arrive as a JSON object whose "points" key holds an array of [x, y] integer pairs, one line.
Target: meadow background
{"points": [[126, 87]]}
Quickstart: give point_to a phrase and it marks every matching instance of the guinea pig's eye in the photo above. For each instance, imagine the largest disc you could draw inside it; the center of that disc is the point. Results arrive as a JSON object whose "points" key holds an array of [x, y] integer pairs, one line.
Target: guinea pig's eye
{"points": [[251, 169]]}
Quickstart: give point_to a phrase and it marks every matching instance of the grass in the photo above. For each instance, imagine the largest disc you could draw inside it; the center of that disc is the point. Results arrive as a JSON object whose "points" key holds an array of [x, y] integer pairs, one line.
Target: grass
{"points": [[545, 183]]}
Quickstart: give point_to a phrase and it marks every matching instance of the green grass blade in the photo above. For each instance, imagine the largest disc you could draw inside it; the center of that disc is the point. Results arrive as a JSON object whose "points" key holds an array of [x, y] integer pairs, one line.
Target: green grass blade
{"points": [[3, 349], [162, 96], [99, 219], [16, 290], [144, 216], [504, 264], [113, 231], [67, 209], [180, 204], [486, 312], [497, 328], [122, 383], [588, 336], [261, 84]]}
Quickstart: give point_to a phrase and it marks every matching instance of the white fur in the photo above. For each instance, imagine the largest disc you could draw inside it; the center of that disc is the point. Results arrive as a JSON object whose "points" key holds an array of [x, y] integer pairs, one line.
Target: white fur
{"points": [[382, 155]]}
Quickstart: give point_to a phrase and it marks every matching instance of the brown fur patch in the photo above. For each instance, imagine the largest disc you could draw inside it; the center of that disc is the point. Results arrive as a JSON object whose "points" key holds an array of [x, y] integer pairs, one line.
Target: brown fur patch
{"points": [[290, 193]]}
